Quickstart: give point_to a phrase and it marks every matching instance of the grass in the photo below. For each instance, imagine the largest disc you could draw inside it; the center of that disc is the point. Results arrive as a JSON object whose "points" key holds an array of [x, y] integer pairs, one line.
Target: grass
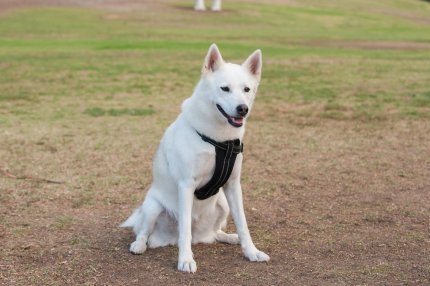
{"points": [[59, 62], [98, 111]]}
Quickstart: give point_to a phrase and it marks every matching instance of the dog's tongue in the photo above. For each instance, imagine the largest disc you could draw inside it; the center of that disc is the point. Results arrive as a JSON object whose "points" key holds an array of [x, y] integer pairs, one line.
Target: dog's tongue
{"points": [[237, 120]]}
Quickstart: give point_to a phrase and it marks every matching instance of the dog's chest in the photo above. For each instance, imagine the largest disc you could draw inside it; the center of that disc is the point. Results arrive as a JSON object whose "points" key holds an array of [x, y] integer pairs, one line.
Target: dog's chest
{"points": [[205, 166]]}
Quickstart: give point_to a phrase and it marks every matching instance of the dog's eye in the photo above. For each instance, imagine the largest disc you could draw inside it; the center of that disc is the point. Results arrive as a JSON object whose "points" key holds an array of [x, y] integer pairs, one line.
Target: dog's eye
{"points": [[225, 88], [246, 89]]}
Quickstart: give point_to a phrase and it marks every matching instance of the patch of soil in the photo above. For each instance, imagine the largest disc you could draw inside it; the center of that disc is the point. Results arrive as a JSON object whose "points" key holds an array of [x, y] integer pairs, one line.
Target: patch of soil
{"points": [[124, 4], [413, 17], [332, 203]]}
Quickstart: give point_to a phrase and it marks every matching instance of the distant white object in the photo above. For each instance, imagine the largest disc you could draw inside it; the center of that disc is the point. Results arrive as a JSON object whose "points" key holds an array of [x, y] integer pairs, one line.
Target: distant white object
{"points": [[200, 5]]}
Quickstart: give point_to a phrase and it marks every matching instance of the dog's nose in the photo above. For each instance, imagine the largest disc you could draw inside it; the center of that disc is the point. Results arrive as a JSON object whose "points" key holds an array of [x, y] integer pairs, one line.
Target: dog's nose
{"points": [[242, 109]]}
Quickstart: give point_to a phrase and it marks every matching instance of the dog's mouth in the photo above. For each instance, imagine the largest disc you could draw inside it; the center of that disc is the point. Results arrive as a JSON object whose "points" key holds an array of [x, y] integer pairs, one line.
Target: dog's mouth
{"points": [[236, 121]]}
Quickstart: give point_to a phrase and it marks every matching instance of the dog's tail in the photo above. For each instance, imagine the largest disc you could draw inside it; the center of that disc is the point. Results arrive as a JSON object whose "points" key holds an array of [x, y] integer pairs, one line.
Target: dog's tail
{"points": [[133, 220]]}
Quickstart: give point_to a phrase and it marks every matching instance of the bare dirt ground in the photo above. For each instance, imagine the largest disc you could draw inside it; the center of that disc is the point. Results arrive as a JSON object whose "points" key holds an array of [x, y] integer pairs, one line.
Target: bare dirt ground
{"points": [[118, 4], [332, 202]]}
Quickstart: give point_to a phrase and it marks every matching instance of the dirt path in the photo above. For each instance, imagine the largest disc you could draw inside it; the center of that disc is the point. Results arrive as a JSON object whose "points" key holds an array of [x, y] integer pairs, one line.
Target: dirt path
{"points": [[13, 4], [331, 202]]}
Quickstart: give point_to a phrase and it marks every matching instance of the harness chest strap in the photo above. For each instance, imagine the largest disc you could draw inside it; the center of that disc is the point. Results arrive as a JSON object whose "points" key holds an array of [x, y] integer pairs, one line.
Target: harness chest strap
{"points": [[225, 158]]}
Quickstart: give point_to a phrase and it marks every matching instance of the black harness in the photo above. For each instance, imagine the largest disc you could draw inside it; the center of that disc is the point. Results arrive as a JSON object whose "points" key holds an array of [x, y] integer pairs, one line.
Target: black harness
{"points": [[226, 153]]}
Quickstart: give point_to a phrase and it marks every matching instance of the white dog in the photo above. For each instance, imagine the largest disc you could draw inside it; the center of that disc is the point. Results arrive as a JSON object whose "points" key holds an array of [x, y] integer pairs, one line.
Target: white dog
{"points": [[199, 5], [185, 203]]}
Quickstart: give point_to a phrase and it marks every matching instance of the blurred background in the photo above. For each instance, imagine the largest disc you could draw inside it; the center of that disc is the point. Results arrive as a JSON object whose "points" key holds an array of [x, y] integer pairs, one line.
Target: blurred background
{"points": [[354, 59]]}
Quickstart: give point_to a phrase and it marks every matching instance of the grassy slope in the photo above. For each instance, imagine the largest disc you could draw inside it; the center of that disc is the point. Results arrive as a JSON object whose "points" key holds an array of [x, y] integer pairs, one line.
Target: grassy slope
{"points": [[50, 57]]}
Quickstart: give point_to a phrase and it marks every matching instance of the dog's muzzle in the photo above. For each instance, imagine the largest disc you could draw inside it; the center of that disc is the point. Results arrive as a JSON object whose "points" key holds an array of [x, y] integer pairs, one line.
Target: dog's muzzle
{"points": [[236, 121]]}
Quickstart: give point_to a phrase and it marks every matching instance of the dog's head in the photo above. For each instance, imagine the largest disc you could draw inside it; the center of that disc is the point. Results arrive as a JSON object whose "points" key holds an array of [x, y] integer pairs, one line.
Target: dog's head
{"points": [[231, 87]]}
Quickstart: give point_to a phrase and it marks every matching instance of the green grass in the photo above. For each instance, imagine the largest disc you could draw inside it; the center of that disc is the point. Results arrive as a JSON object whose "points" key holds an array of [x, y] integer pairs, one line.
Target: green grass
{"points": [[58, 63], [98, 111]]}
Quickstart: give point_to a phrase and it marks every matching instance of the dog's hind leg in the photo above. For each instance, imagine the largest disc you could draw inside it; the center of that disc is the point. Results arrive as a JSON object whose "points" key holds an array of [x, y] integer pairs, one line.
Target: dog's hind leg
{"points": [[165, 231], [223, 211], [230, 238], [149, 212]]}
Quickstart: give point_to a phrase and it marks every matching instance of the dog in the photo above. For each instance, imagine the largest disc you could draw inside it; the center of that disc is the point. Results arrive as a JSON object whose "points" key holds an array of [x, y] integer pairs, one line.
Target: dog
{"points": [[199, 5], [179, 208]]}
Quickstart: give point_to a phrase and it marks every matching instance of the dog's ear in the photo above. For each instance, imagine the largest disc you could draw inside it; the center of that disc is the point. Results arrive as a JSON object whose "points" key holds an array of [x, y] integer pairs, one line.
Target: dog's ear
{"points": [[254, 63], [213, 60]]}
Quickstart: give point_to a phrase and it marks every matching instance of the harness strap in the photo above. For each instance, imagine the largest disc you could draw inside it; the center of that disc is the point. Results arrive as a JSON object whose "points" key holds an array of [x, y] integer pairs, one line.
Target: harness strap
{"points": [[225, 158]]}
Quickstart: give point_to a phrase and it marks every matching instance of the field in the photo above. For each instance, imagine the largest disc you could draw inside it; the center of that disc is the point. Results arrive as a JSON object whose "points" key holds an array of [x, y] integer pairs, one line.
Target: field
{"points": [[336, 173]]}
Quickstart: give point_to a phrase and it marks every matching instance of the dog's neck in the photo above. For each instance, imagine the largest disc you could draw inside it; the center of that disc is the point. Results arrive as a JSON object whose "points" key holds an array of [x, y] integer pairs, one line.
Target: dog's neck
{"points": [[211, 124]]}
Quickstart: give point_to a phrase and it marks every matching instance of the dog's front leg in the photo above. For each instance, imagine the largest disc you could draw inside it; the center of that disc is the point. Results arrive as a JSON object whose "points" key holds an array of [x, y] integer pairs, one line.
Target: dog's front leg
{"points": [[233, 192], [186, 262]]}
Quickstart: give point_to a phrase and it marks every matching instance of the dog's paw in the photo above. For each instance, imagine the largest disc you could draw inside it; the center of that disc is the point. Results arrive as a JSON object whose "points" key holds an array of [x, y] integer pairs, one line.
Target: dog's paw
{"points": [[233, 238], [188, 266], [256, 255], [138, 247], [230, 238]]}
